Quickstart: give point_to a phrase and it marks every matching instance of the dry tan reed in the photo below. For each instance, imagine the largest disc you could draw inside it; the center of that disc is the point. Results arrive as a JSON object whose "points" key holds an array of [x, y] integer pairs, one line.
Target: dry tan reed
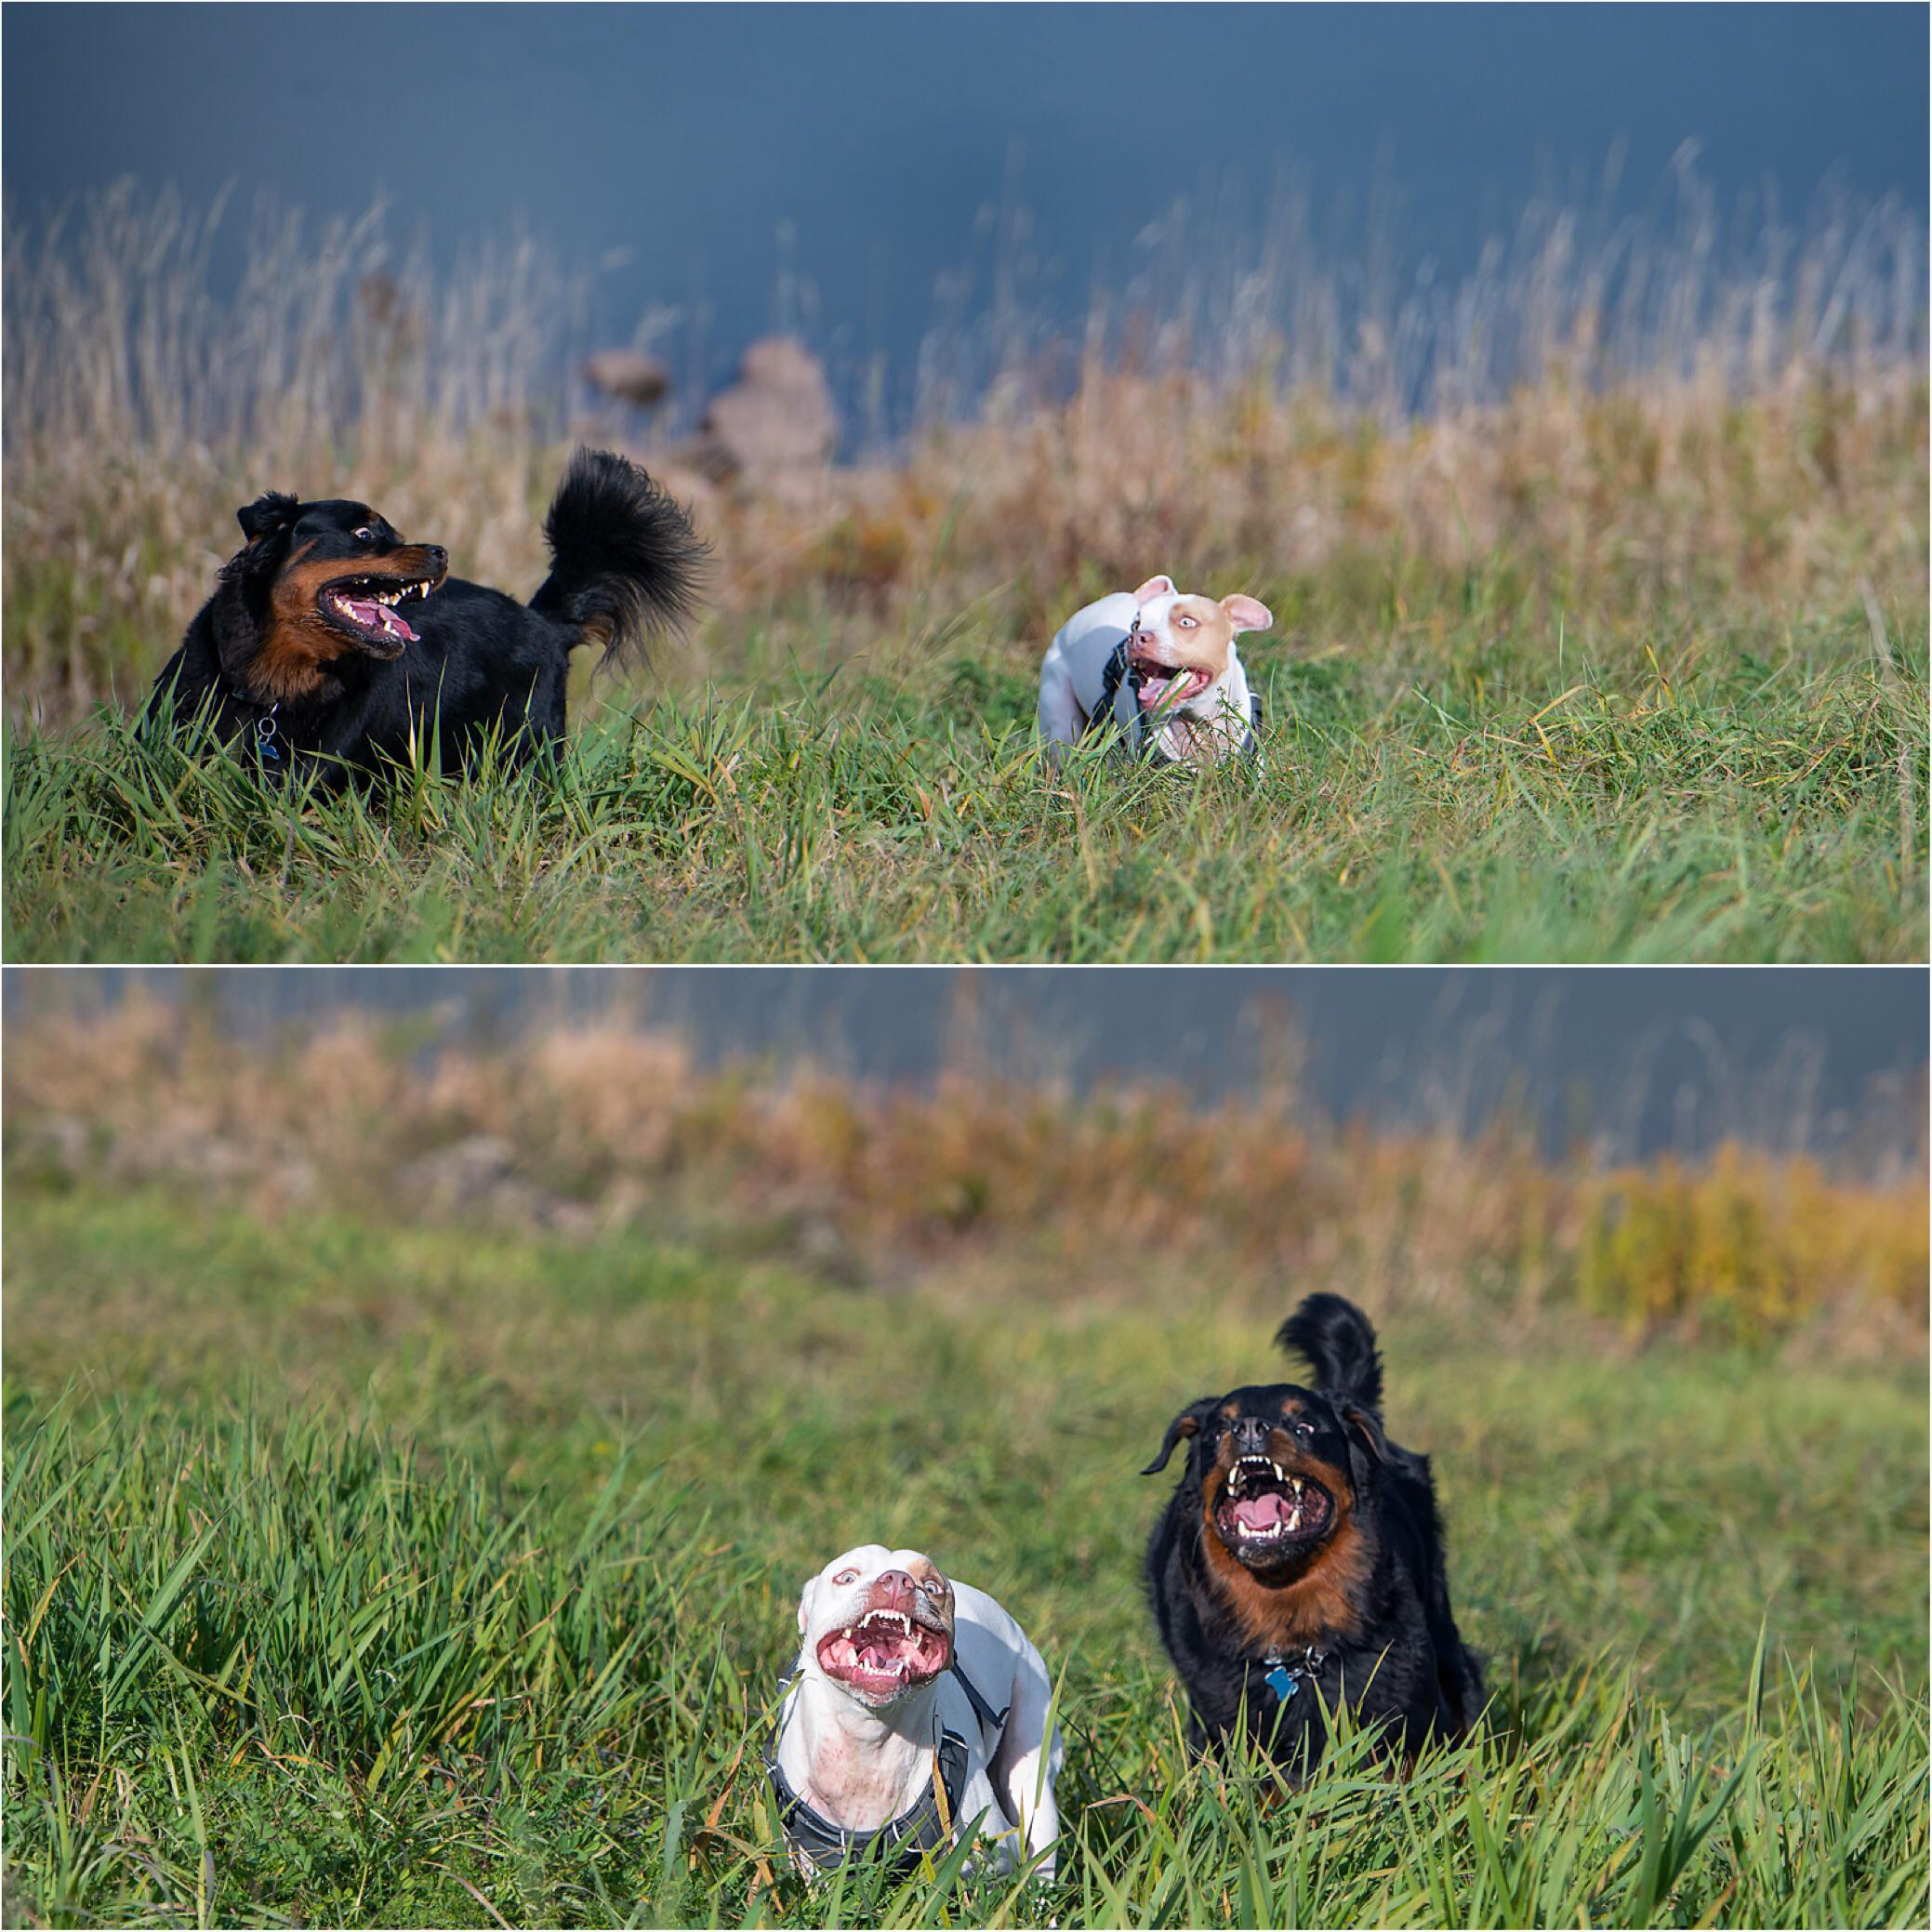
{"points": [[588, 1129], [1617, 430]]}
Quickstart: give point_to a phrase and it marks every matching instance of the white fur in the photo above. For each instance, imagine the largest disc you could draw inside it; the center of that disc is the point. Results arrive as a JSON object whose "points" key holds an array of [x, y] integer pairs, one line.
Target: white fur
{"points": [[860, 1763], [1072, 677]]}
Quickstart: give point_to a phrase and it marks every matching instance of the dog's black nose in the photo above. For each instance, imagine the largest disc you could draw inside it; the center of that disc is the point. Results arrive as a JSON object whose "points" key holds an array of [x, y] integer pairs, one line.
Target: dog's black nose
{"points": [[437, 555], [1251, 1433]]}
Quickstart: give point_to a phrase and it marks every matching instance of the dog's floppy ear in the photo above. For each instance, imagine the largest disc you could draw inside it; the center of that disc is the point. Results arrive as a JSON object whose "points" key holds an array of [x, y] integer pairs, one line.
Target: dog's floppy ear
{"points": [[1363, 1428], [1366, 1423], [1162, 586], [1188, 1424], [268, 515], [1248, 612], [805, 1604]]}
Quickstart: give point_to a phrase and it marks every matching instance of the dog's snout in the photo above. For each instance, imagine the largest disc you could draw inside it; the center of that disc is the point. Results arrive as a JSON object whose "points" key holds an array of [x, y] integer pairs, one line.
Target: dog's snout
{"points": [[1251, 1433], [437, 555], [897, 1588]]}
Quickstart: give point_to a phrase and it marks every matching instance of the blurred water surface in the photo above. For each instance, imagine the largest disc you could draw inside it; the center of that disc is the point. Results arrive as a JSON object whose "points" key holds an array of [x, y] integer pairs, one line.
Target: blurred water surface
{"points": [[928, 193], [1628, 1062]]}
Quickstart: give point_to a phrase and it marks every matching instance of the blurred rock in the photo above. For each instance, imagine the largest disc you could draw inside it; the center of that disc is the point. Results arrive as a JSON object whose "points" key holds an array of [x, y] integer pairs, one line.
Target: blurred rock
{"points": [[478, 1169], [56, 1148], [629, 375], [775, 426]]}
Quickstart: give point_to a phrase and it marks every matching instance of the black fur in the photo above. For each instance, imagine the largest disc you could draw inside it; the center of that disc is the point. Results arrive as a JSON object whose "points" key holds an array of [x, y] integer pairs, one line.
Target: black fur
{"points": [[1334, 1338], [625, 555], [626, 563], [1369, 1591]]}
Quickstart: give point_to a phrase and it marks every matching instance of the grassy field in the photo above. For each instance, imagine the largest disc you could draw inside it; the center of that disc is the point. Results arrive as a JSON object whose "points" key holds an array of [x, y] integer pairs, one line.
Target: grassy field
{"points": [[1622, 656], [406, 1500], [1461, 785]]}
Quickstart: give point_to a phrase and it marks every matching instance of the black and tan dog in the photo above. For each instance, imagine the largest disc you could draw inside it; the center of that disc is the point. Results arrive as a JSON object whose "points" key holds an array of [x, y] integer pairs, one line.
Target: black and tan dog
{"points": [[1301, 1554], [331, 643]]}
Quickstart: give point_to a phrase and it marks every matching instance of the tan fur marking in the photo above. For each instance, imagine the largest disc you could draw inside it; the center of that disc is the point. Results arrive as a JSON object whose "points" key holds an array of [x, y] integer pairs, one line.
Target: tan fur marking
{"points": [[298, 640], [924, 1571], [1318, 1598], [1205, 647]]}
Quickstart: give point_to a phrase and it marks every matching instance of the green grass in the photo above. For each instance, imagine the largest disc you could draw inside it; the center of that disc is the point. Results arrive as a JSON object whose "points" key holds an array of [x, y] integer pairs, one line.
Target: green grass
{"points": [[1446, 779], [359, 1574]]}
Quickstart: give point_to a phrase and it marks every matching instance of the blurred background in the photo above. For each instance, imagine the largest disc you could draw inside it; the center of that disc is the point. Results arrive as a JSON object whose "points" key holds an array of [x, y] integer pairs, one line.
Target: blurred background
{"points": [[915, 194], [1620, 1064], [1730, 1153], [941, 318]]}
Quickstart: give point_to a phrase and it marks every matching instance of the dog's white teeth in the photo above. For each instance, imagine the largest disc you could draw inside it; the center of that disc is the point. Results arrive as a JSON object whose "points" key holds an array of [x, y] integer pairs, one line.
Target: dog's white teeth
{"points": [[1277, 1468]]}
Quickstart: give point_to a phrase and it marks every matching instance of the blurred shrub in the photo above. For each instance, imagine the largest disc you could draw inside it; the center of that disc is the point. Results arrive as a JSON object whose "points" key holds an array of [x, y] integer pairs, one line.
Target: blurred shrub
{"points": [[581, 1127]]}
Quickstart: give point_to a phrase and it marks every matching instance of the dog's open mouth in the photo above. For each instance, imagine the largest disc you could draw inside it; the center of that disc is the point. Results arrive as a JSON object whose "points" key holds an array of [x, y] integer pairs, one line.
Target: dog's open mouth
{"points": [[1167, 685], [370, 609], [1262, 1508], [885, 1652]]}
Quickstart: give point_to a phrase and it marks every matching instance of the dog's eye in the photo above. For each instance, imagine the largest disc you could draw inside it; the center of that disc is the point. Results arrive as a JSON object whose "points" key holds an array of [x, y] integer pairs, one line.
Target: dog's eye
{"points": [[365, 534], [1186, 623], [1305, 1431], [845, 1575]]}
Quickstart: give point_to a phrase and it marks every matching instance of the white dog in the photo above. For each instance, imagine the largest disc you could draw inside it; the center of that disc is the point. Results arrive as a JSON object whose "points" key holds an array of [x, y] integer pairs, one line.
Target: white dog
{"points": [[917, 1709], [1164, 662]]}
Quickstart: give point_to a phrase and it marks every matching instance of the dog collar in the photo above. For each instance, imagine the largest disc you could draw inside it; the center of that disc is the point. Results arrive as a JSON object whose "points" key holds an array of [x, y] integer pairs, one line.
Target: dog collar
{"points": [[1285, 1677], [262, 723], [902, 1841]]}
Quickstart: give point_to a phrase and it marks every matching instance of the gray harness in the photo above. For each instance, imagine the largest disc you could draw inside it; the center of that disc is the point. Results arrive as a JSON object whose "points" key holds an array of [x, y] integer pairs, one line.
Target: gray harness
{"points": [[900, 1842], [1119, 669]]}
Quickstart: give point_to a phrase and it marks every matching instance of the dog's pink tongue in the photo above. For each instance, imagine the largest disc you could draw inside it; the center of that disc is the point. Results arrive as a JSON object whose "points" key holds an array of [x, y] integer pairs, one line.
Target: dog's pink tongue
{"points": [[1152, 690], [380, 616], [1262, 1511]]}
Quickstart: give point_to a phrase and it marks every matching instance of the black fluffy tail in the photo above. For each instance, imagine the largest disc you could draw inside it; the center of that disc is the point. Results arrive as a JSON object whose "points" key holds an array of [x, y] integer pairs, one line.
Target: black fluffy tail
{"points": [[1339, 1342], [625, 561]]}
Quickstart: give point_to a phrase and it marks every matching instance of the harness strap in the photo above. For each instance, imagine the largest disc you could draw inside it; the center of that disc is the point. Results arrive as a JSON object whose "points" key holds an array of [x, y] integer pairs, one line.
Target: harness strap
{"points": [[990, 1719], [902, 1841], [1118, 671], [1115, 670]]}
